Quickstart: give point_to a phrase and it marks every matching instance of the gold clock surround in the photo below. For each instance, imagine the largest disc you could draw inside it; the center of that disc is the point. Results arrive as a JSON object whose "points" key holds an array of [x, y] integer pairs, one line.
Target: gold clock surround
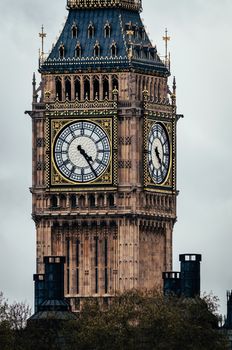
{"points": [[56, 181], [169, 181]]}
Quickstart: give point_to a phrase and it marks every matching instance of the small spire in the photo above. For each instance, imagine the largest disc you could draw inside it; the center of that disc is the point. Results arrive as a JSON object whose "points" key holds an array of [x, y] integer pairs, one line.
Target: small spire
{"points": [[174, 86], [42, 35], [34, 80], [174, 92], [35, 95], [166, 38]]}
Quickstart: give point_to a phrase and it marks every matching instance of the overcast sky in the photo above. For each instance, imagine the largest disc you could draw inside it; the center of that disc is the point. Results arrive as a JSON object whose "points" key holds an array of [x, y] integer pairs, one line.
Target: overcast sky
{"points": [[201, 61]]}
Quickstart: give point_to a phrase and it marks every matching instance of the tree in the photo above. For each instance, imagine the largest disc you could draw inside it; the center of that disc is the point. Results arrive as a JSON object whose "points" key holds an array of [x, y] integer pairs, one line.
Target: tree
{"points": [[147, 321], [6, 336], [15, 314], [133, 321], [13, 318]]}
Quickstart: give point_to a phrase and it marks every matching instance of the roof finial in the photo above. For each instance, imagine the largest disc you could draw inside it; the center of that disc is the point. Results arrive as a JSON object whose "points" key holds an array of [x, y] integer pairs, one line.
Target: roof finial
{"points": [[42, 35], [166, 38]]}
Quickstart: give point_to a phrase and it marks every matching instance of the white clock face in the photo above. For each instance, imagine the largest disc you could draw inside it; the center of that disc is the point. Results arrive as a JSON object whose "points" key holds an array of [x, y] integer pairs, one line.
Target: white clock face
{"points": [[82, 151], [158, 153]]}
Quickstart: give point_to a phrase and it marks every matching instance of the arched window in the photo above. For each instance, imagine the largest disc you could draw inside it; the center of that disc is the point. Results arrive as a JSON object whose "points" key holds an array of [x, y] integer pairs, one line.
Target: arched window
{"points": [[87, 88], [61, 51], [114, 50], [58, 89], [97, 49], [68, 89], [111, 200], [63, 201], [96, 88], [82, 201], [105, 87], [54, 201], [91, 31], [115, 83], [74, 31], [107, 30], [143, 34], [78, 50], [73, 201], [91, 201], [101, 201], [77, 86]]}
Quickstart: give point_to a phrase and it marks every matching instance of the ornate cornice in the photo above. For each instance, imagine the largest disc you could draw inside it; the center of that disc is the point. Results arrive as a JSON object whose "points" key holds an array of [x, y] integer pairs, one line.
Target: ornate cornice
{"points": [[135, 5]]}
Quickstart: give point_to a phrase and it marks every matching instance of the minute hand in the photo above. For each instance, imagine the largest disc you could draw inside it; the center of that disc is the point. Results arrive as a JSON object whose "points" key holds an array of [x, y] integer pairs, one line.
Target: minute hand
{"points": [[87, 158], [90, 165]]}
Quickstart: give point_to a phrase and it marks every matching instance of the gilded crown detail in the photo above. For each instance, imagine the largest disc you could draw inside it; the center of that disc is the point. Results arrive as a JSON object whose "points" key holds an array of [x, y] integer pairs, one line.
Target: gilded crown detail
{"points": [[82, 4]]}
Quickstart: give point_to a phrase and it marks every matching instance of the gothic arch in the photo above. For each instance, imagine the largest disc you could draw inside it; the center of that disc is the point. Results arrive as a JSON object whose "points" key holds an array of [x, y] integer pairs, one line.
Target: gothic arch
{"points": [[91, 30], [73, 201], [105, 87], [78, 50], [58, 88], [113, 49], [107, 30], [81, 201], [96, 87], [54, 201], [61, 51], [115, 84], [87, 88], [91, 201], [77, 89], [111, 200], [97, 49], [68, 88], [74, 31]]}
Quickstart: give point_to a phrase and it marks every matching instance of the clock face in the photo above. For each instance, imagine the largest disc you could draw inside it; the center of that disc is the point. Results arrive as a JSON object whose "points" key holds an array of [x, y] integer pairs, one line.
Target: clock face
{"points": [[82, 151], [158, 153]]}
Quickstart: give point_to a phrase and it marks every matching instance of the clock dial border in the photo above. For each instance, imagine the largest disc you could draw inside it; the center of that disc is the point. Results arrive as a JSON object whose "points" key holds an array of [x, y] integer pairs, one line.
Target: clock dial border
{"points": [[107, 179], [169, 181]]}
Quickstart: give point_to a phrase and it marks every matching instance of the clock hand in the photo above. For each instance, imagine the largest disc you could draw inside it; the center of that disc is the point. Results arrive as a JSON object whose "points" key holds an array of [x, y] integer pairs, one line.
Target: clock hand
{"points": [[87, 158], [84, 154], [158, 155]]}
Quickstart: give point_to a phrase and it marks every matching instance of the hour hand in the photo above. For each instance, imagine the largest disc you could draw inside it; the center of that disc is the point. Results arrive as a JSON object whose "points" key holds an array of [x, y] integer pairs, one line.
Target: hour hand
{"points": [[87, 158], [84, 154]]}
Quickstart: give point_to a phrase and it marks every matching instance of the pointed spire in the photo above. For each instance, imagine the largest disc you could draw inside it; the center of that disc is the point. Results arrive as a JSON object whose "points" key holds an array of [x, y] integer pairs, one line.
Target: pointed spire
{"points": [[174, 86], [42, 35], [174, 92], [34, 92], [166, 38]]}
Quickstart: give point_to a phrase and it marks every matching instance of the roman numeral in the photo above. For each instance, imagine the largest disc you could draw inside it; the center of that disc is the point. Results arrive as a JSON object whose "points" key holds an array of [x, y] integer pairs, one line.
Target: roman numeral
{"points": [[66, 162]]}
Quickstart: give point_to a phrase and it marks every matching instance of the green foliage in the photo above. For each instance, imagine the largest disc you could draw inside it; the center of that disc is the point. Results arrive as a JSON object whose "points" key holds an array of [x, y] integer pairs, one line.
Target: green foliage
{"points": [[137, 321], [6, 336], [133, 321]]}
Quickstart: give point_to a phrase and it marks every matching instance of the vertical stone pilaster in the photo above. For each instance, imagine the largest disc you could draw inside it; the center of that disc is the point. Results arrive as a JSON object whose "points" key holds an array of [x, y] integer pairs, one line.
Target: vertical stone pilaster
{"points": [[72, 88]]}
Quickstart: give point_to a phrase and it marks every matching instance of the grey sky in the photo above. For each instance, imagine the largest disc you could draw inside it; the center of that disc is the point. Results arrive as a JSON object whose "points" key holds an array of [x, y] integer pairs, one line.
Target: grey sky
{"points": [[201, 59]]}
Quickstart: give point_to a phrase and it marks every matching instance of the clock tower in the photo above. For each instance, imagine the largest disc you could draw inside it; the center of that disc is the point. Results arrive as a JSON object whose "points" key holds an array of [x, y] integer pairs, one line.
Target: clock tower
{"points": [[104, 153]]}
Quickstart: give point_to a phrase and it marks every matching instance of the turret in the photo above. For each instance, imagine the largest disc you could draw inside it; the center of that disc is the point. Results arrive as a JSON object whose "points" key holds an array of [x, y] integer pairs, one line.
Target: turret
{"points": [[228, 323], [190, 275], [172, 283]]}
